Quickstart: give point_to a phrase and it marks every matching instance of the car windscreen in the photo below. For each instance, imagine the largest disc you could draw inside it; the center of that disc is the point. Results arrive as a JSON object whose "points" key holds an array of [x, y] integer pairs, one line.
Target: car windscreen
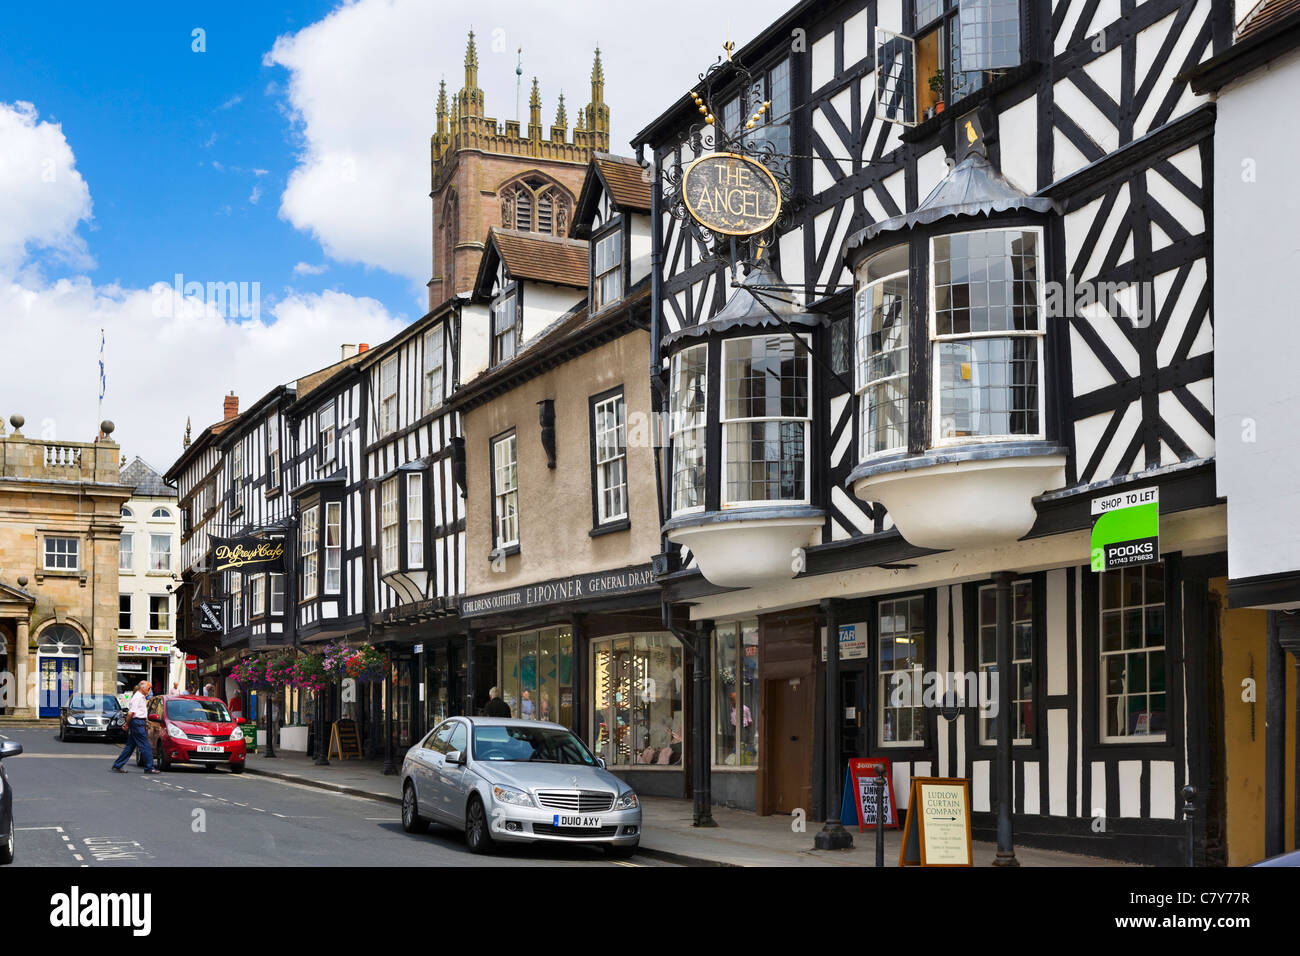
{"points": [[93, 702], [537, 744], [202, 711]]}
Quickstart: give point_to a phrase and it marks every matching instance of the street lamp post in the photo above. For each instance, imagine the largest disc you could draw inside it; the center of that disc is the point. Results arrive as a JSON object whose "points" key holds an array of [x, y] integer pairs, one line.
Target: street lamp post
{"points": [[833, 836]]}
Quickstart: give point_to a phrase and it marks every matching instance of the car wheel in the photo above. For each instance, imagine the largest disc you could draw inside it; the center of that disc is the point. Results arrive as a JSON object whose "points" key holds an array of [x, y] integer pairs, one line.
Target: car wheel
{"points": [[236, 768], [412, 822], [622, 851], [160, 759], [63, 735], [477, 835], [7, 844]]}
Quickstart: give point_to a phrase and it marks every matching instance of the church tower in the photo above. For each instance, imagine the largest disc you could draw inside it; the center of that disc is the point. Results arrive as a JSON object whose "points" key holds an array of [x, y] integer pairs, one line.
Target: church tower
{"points": [[484, 173]]}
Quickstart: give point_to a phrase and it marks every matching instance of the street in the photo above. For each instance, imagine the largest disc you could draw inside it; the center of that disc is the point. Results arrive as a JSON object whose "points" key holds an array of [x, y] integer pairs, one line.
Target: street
{"points": [[70, 811]]}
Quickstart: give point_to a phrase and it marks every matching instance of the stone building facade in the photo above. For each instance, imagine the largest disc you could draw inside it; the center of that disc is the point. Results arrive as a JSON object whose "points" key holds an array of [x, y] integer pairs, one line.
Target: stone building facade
{"points": [[484, 173], [60, 522]]}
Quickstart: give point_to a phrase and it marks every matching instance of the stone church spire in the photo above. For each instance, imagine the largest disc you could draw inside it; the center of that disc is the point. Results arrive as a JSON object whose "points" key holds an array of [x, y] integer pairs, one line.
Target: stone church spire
{"points": [[471, 97]]}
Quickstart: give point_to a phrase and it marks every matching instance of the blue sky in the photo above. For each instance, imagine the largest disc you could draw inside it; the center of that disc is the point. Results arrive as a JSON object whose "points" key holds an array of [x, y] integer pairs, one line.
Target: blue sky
{"points": [[291, 151], [169, 139]]}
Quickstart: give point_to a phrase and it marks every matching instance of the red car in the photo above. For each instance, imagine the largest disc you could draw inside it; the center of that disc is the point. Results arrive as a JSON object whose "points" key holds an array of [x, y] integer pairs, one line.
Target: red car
{"points": [[197, 730]]}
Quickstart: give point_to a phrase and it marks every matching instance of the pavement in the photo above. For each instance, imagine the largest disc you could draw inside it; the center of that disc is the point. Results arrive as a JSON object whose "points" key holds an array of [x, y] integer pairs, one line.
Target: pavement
{"points": [[741, 838]]}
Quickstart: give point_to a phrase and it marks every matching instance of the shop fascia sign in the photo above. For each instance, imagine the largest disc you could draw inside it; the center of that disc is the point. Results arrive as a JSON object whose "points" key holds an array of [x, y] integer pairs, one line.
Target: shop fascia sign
{"points": [[580, 587], [1126, 529], [135, 647]]}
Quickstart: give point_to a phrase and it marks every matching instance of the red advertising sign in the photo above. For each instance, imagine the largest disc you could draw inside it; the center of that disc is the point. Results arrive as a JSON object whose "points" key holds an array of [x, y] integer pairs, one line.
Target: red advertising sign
{"points": [[862, 777]]}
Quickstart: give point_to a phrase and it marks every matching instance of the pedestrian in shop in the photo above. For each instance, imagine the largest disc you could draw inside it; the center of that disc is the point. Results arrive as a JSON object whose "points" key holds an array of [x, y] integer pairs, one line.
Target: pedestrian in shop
{"points": [[526, 707], [209, 690], [496, 707], [136, 737]]}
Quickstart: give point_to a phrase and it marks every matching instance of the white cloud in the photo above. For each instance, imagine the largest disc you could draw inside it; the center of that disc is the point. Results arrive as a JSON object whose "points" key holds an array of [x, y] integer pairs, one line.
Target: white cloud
{"points": [[255, 195], [307, 269], [161, 368], [233, 101], [362, 85], [42, 196], [165, 359]]}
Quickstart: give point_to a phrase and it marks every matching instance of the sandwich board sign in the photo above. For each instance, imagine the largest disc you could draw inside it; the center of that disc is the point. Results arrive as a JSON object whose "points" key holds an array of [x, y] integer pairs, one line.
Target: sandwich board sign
{"points": [[859, 801], [1126, 529], [937, 829]]}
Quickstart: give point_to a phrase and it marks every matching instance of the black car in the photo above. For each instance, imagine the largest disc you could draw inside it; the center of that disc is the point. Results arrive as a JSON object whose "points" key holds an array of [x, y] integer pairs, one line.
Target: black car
{"points": [[8, 748], [92, 715]]}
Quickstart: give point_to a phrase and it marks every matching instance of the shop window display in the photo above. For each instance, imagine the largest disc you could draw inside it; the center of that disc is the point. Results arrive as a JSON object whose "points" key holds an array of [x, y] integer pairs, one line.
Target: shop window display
{"points": [[735, 694], [637, 700], [536, 679]]}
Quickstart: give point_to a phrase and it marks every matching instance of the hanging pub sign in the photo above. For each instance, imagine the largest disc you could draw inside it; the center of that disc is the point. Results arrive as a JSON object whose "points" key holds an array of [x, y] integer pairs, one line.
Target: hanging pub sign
{"points": [[731, 194], [1126, 529], [248, 555], [210, 618]]}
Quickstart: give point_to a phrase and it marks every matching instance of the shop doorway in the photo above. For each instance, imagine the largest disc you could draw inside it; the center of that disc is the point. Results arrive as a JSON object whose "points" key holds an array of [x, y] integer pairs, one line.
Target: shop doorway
{"points": [[788, 719], [853, 716], [58, 661]]}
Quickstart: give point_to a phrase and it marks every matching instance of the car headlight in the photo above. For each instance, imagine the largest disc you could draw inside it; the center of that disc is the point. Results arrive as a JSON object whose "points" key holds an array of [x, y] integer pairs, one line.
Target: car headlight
{"points": [[75, 720], [174, 731], [511, 796], [626, 802], [236, 734]]}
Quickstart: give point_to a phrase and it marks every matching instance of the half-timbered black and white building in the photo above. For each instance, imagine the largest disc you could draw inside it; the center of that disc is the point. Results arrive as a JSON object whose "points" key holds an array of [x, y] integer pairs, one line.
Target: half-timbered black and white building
{"points": [[987, 303]]}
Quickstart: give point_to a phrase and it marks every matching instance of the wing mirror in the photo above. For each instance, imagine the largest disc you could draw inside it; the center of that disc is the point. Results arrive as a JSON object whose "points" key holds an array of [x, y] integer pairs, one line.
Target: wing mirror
{"points": [[457, 758], [10, 748], [600, 762], [156, 718], [241, 720]]}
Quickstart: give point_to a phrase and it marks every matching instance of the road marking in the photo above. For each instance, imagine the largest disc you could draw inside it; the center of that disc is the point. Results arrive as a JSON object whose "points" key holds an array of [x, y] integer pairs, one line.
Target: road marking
{"points": [[103, 757], [107, 848], [625, 863], [60, 829]]}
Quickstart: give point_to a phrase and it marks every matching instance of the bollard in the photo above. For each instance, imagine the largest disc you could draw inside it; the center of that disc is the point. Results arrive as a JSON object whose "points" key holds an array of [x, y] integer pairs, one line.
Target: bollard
{"points": [[1189, 813], [880, 815]]}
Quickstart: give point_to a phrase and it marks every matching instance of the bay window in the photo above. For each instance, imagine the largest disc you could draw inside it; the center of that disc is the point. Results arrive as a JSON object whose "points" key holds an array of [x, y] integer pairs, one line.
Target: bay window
{"points": [[987, 334], [390, 537], [277, 594], [883, 314], [258, 598], [415, 521], [333, 547], [236, 599], [308, 545], [688, 401], [765, 420], [735, 694]]}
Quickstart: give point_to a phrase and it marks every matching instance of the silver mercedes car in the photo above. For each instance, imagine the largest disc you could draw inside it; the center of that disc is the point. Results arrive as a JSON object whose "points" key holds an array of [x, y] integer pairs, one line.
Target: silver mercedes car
{"points": [[504, 780]]}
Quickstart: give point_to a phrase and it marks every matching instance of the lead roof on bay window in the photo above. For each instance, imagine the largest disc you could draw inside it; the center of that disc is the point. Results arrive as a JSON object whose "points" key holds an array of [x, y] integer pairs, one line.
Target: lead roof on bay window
{"points": [[745, 309], [974, 187]]}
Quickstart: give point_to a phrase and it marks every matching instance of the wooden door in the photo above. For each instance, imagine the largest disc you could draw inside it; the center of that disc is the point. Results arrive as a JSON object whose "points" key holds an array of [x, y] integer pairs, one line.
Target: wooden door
{"points": [[788, 717]]}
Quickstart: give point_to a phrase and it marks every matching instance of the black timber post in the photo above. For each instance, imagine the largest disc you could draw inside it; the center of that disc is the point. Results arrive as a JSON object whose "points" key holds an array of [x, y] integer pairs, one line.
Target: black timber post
{"points": [[1274, 738], [1006, 854], [702, 811], [832, 835]]}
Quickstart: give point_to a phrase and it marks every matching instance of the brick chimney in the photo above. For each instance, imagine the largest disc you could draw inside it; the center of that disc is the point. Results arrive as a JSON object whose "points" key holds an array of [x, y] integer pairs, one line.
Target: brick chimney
{"points": [[231, 406], [349, 351], [363, 347]]}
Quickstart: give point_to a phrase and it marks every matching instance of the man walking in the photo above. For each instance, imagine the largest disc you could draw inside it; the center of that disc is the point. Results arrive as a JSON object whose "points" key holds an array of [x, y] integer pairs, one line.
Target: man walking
{"points": [[496, 707], [137, 737]]}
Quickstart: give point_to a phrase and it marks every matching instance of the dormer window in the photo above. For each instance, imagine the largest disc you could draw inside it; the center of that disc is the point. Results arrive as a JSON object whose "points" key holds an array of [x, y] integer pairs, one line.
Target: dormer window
{"points": [[607, 269], [505, 325]]}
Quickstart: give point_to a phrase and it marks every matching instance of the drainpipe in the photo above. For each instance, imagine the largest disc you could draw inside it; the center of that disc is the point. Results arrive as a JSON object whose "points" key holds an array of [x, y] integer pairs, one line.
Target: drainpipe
{"points": [[1274, 738]]}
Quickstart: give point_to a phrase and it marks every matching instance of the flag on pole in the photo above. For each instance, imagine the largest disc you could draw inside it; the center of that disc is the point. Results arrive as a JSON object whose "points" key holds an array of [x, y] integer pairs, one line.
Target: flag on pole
{"points": [[103, 381]]}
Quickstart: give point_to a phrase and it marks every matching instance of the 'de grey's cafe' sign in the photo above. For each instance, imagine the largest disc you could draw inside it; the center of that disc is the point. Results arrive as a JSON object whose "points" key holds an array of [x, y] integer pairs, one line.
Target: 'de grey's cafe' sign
{"points": [[249, 555], [579, 587], [731, 194]]}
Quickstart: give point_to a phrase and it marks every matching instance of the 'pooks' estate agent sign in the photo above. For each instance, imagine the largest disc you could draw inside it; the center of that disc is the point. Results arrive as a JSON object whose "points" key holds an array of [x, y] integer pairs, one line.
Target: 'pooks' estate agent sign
{"points": [[1126, 529], [731, 194]]}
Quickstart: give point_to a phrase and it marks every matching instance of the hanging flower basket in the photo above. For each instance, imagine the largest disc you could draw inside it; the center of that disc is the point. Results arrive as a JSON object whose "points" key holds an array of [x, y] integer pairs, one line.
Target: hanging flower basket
{"points": [[367, 665], [250, 673], [308, 673]]}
